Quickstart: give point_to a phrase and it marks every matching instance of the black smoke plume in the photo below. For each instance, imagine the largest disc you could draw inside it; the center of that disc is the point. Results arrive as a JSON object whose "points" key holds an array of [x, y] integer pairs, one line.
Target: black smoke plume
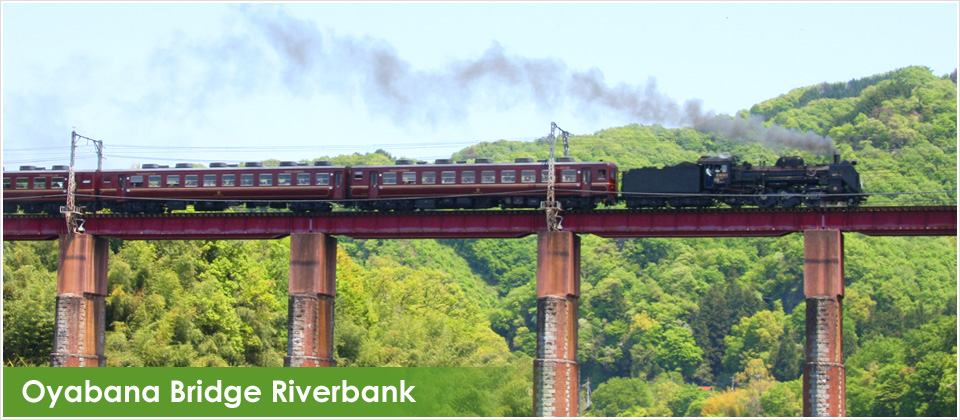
{"points": [[313, 59]]}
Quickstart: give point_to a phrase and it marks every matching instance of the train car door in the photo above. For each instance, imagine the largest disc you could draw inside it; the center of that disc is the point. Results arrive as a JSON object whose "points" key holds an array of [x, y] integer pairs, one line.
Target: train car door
{"points": [[586, 184], [338, 189], [374, 185]]}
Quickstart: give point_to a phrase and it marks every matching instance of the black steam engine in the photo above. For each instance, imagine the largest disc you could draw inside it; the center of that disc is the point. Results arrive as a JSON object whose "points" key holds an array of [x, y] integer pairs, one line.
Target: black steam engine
{"points": [[712, 180]]}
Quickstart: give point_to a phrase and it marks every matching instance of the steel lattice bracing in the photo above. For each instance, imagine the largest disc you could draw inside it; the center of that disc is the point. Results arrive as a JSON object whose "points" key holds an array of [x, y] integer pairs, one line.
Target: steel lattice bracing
{"points": [[892, 221]]}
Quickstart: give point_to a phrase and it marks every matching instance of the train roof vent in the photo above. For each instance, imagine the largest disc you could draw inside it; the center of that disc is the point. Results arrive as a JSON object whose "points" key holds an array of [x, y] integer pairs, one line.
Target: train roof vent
{"points": [[184, 165], [233, 165], [288, 163], [218, 164], [253, 164], [483, 160], [421, 162], [302, 164], [27, 168], [461, 161], [60, 168], [523, 160], [542, 160], [443, 161], [149, 166], [323, 163], [405, 162], [566, 159], [163, 166]]}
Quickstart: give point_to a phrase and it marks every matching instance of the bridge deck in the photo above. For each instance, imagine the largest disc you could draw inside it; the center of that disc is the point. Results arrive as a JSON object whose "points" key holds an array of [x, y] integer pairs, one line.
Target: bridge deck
{"points": [[899, 221]]}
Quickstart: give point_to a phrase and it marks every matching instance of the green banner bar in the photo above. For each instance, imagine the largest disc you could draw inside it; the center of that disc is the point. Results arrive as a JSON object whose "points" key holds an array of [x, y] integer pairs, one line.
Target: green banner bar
{"points": [[260, 392]]}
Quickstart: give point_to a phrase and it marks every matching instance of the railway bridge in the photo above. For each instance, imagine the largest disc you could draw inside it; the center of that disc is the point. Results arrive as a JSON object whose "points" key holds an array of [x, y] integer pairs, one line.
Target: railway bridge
{"points": [[82, 272]]}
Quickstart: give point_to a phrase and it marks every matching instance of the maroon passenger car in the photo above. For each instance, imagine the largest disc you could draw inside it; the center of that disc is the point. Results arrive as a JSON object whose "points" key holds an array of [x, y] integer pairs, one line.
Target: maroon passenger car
{"points": [[483, 184], [407, 185]]}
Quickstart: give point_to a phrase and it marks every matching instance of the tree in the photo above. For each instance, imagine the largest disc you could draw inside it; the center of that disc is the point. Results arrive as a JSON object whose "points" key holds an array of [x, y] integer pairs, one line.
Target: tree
{"points": [[755, 337], [618, 395], [677, 351], [788, 363]]}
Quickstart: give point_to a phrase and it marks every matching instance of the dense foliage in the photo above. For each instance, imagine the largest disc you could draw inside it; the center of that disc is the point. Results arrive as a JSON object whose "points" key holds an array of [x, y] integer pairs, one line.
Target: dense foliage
{"points": [[661, 320]]}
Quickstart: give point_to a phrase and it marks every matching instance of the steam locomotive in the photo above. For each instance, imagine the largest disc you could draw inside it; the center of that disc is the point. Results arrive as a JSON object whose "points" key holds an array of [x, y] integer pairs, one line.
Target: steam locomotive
{"points": [[445, 184], [712, 180]]}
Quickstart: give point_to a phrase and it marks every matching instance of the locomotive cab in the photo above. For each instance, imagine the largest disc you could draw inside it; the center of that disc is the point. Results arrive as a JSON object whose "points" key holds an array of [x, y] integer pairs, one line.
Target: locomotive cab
{"points": [[715, 170]]}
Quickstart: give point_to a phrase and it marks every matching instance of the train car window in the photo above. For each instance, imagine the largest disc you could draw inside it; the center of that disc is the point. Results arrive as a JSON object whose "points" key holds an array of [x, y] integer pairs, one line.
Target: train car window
{"points": [[303, 179], [602, 175], [448, 177], [545, 175], [468, 177], [613, 175], [56, 182], [210, 180], [190, 181], [173, 180], [323, 179], [228, 180], [136, 181], [266, 180], [7, 184], [429, 177], [409, 178], [22, 183], [284, 179], [568, 175], [488, 177], [153, 181], [390, 178], [39, 183], [508, 176], [246, 180], [528, 175], [358, 175]]}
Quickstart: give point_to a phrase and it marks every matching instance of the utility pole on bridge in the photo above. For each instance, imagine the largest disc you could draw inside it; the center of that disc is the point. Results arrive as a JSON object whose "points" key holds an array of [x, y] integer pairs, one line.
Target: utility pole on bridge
{"points": [[551, 206], [70, 212]]}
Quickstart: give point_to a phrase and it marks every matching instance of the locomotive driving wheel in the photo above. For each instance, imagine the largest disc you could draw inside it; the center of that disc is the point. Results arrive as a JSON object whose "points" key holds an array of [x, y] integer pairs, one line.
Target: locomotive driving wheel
{"points": [[813, 200], [788, 198], [766, 199]]}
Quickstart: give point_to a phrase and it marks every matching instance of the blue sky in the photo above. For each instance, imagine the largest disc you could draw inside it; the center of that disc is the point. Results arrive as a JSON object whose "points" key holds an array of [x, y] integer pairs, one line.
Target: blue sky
{"points": [[165, 83]]}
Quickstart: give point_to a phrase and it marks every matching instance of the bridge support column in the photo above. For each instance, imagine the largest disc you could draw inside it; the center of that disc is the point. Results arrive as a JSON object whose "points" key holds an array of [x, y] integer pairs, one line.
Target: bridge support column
{"points": [[313, 287], [79, 333], [824, 382], [555, 370]]}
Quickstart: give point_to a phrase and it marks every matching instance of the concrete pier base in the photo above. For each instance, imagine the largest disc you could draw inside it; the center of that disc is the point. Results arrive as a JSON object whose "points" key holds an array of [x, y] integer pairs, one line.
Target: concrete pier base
{"points": [[313, 289], [556, 372], [79, 333], [824, 376]]}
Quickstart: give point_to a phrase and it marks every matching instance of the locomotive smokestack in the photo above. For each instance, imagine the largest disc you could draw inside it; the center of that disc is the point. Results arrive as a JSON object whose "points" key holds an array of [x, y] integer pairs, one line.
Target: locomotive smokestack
{"points": [[836, 158]]}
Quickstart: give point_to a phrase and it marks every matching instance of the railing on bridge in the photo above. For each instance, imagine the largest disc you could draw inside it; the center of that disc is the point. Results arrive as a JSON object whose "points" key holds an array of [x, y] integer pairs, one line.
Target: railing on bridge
{"points": [[900, 221]]}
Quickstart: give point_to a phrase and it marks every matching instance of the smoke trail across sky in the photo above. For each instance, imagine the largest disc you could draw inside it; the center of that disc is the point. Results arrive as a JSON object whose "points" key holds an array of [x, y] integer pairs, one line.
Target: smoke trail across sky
{"points": [[313, 59]]}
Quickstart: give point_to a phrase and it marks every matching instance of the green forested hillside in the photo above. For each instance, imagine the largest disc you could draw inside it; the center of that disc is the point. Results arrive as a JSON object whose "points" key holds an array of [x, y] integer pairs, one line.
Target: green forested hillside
{"points": [[658, 317]]}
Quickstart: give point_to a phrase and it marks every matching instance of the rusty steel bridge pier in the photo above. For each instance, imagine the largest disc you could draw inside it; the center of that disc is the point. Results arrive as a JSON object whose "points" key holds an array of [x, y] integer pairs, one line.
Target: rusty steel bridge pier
{"points": [[312, 290], [79, 334], [556, 374], [824, 376]]}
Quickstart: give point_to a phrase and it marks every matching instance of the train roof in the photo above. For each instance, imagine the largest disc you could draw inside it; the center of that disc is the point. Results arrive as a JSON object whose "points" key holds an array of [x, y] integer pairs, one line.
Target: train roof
{"points": [[400, 164]]}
